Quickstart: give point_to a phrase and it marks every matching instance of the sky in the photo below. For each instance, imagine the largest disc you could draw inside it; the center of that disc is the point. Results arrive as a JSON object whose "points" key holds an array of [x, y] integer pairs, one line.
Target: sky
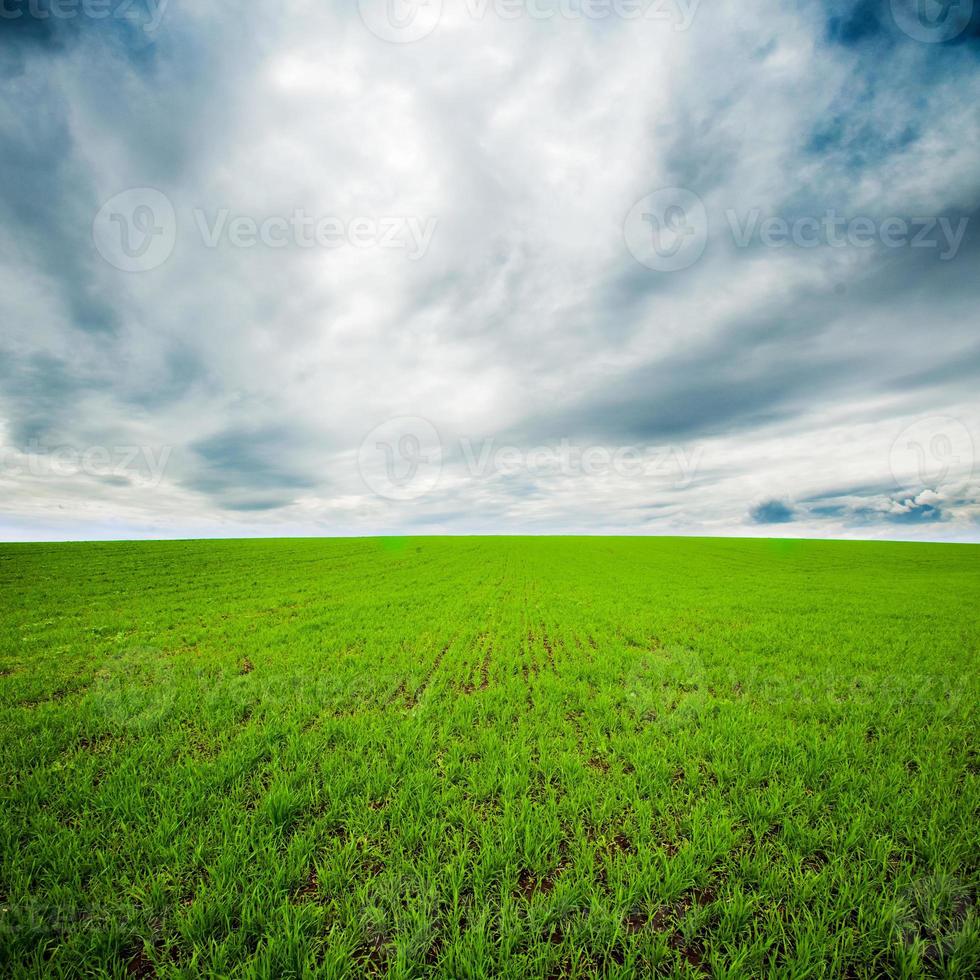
{"points": [[489, 266]]}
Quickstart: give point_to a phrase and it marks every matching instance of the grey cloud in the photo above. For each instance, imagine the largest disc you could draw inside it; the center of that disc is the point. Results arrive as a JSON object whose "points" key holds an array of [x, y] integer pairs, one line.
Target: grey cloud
{"points": [[963, 367], [179, 370], [782, 362], [869, 26], [42, 29], [858, 22], [37, 394], [250, 506], [858, 490], [771, 512], [829, 510], [702, 152], [238, 462], [918, 514], [853, 143], [754, 374], [865, 508], [45, 203]]}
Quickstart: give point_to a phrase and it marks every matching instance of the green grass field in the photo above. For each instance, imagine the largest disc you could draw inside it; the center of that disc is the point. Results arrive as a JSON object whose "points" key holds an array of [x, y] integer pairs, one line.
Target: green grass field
{"points": [[507, 757]]}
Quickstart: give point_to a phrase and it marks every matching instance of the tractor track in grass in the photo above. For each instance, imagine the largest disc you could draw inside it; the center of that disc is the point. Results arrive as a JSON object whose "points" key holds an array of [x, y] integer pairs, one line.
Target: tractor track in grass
{"points": [[480, 673], [427, 679]]}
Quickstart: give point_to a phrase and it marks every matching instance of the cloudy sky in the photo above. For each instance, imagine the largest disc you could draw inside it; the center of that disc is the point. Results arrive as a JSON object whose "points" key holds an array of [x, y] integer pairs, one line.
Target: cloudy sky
{"points": [[614, 266]]}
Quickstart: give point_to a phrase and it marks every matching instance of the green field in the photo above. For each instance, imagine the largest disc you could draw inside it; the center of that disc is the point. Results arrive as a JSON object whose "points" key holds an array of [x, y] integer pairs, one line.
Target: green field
{"points": [[514, 757]]}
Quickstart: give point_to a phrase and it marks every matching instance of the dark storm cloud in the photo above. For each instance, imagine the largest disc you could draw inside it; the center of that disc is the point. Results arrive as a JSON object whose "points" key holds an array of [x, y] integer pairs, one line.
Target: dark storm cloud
{"points": [[623, 296], [47, 27], [37, 394], [78, 87], [245, 468], [961, 369], [902, 272], [179, 370], [783, 361], [755, 373], [48, 187], [701, 150], [857, 22], [48, 193], [19, 30], [43, 202], [654, 403], [870, 25], [771, 512], [854, 142]]}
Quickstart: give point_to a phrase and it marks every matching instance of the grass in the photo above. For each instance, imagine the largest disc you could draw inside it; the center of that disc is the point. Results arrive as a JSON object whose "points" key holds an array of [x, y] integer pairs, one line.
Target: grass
{"points": [[490, 757]]}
